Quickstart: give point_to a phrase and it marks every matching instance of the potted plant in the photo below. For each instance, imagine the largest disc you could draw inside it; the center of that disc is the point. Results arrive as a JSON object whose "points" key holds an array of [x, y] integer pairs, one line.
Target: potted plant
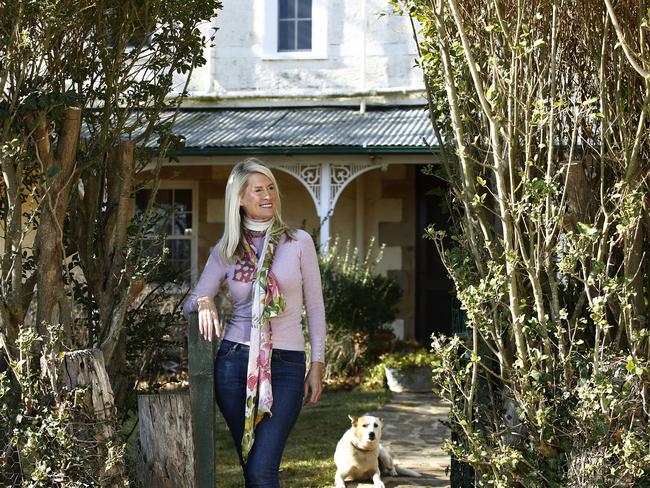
{"points": [[408, 371]]}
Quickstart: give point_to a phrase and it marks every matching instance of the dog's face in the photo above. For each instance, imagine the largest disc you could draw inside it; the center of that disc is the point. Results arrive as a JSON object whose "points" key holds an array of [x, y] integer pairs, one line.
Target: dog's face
{"points": [[367, 430]]}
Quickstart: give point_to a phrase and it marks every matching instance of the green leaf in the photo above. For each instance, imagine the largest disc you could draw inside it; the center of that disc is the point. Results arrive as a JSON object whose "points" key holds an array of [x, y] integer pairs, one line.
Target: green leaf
{"points": [[587, 230], [631, 365]]}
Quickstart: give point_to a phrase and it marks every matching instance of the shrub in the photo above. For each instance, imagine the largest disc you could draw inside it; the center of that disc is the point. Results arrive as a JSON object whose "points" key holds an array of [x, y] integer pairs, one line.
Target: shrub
{"points": [[374, 378], [416, 359], [542, 130], [356, 298], [359, 306]]}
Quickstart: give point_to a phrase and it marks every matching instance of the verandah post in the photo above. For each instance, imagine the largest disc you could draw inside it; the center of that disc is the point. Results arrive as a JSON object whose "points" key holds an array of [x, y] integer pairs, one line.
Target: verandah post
{"points": [[201, 376]]}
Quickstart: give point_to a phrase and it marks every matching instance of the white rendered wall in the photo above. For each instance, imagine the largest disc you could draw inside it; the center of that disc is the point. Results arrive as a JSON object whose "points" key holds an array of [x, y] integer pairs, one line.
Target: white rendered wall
{"points": [[243, 62]]}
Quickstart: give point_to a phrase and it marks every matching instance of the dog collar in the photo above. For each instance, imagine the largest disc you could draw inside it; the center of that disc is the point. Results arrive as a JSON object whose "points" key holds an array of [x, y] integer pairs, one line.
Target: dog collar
{"points": [[358, 448]]}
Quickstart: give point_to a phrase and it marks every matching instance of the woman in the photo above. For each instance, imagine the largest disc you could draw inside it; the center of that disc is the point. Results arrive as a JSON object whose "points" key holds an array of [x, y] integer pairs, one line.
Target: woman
{"points": [[271, 271]]}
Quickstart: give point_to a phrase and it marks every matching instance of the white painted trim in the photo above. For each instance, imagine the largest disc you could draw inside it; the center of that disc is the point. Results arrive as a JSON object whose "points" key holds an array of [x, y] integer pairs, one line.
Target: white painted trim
{"points": [[267, 20], [325, 181], [270, 159], [288, 171], [324, 210], [320, 10], [404, 91], [283, 55], [364, 50]]}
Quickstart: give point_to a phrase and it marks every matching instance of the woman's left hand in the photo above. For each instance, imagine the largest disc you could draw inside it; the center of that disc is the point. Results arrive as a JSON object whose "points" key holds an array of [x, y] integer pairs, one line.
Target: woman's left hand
{"points": [[313, 383]]}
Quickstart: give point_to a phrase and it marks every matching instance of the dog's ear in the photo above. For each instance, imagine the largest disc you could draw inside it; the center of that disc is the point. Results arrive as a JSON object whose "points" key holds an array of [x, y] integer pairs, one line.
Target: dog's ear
{"points": [[353, 419]]}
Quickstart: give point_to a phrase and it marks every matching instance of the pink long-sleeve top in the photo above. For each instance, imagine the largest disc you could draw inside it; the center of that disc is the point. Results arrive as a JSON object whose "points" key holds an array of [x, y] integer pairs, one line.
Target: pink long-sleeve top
{"points": [[295, 266]]}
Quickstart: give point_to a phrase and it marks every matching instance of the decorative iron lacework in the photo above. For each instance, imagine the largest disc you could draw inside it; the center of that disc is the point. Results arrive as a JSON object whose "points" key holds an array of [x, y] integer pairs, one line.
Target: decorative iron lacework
{"points": [[311, 176]]}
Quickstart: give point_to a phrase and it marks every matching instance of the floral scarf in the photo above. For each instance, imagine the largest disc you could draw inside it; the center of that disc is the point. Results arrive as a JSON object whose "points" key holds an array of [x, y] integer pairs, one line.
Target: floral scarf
{"points": [[267, 302]]}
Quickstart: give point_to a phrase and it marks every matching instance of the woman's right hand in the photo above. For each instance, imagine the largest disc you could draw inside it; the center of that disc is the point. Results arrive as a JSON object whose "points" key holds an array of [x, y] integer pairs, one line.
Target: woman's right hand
{"points": [[209, 323]]}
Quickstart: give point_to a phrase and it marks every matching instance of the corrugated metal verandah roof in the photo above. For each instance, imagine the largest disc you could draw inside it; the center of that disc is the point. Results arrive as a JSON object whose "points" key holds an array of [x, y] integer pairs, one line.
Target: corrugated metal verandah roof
{"points": [[305, 130]]}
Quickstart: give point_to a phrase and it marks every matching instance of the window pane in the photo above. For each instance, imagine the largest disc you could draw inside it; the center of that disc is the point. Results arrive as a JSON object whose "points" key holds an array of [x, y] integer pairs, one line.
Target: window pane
{"points": [[286, 35], [183, 200], [171, 216], [287, 9], [304, 9], [182, 224], [141, 200], [161, 221], [304, 34], [164, 197], [179, 254]]}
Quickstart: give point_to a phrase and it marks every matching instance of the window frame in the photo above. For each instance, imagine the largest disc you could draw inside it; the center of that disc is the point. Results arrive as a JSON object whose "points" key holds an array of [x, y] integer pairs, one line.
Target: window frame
{"points": [[193, 186], [295, 20], [270, 12]]}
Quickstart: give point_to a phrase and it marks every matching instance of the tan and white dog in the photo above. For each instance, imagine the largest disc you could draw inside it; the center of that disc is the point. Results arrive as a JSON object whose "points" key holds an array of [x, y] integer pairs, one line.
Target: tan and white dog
{"points": [[359, 456]]}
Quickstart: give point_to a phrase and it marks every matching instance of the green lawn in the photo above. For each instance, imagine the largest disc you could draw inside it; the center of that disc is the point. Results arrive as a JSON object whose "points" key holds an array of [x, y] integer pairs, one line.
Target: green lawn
{"points": [[308, 460]]}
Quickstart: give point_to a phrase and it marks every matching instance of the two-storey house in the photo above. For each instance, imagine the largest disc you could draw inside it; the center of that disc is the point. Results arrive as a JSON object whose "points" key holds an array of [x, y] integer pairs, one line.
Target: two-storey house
{"points": [[327, 93]]}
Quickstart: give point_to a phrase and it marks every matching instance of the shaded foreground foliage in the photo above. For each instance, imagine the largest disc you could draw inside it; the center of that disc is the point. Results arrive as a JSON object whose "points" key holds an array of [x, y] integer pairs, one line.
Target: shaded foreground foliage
{"points": [[85, 88], [51, 436], [543, 108]]}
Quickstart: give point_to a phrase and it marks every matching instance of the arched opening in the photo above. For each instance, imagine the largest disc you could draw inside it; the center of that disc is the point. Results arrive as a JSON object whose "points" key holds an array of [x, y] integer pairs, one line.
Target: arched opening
{"points": [[298, 206]]}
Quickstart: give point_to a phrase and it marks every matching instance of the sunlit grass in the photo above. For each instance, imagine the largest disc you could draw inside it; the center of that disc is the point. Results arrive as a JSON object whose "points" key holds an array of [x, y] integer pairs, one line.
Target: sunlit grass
{"points": [[308, 460]]}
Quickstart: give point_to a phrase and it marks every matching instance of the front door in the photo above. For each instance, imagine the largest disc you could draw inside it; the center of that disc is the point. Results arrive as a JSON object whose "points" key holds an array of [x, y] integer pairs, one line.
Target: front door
{"points": [[433, 300]]}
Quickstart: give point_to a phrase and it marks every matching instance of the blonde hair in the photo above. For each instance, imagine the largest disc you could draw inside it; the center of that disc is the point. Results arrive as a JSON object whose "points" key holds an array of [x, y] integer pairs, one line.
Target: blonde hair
{"points": [[230, 244]]}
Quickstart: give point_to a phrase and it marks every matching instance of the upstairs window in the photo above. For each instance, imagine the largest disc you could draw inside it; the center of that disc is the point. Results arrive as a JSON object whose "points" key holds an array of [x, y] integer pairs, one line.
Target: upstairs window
{"points": [[294, 25], [291, 29]]}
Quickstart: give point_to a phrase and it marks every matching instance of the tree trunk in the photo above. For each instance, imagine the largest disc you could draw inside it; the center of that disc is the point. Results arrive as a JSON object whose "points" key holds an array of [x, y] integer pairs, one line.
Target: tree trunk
{"points": [[53, 305], [114, 285], [86, 368], [167, 452]]}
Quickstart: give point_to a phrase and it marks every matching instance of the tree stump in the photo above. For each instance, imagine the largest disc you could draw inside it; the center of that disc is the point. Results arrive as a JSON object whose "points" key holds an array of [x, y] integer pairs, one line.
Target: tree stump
{"points": [[86, 368], [166, 448]]}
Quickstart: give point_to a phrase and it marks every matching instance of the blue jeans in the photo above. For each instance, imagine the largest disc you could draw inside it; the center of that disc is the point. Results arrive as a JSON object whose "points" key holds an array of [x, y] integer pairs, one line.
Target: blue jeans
{"points": [[287, 377]]}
